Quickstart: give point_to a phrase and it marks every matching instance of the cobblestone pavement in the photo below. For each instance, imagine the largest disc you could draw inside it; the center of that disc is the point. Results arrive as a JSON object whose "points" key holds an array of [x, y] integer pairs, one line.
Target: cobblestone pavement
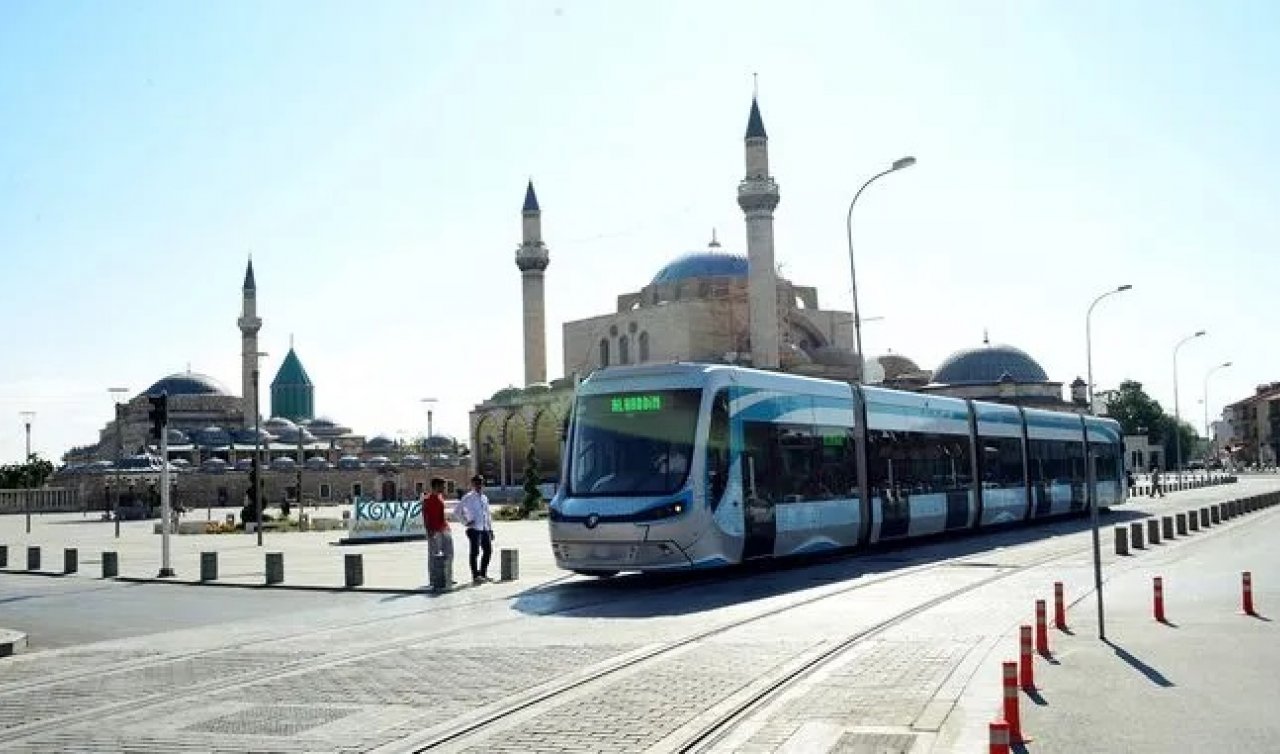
{"points": [[392, 677]]}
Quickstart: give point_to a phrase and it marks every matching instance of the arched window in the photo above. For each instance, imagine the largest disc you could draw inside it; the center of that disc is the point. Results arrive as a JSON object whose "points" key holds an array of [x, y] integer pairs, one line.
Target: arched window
{"points": [[604, 352], [624, 350], [644, 347]]}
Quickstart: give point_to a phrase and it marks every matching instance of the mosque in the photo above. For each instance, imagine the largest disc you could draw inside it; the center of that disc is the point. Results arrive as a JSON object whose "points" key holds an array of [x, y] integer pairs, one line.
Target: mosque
{"points": [[212, 440], [717, 307]]}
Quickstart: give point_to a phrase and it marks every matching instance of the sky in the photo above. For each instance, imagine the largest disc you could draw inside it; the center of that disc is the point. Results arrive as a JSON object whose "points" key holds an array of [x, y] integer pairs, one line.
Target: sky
{"points": [[372, 159]]}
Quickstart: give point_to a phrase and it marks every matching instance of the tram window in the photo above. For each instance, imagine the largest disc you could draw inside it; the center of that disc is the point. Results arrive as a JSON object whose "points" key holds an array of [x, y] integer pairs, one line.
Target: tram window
{"points": [[1056, 461], [837, 463], [1001, 462], [917, 463], [718, 447], [1107, 462]]}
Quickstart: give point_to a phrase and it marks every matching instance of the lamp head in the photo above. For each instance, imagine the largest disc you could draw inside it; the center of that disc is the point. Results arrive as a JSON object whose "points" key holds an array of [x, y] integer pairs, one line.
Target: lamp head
{"points": [[1198, 333], [904, 162], [1124, 288]]}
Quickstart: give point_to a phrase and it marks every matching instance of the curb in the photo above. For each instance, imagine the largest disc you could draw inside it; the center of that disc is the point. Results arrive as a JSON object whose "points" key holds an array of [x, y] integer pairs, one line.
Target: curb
{"points": [[11, 642], [426, 592], [24, 572]]}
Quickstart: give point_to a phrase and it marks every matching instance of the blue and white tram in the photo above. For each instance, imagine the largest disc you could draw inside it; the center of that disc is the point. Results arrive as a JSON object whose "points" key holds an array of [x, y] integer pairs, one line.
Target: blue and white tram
{"points": [[691, 465]]}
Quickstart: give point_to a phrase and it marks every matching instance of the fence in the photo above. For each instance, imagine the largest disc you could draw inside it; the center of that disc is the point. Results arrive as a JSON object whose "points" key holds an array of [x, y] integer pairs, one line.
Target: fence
{"points": [[40, 500]]}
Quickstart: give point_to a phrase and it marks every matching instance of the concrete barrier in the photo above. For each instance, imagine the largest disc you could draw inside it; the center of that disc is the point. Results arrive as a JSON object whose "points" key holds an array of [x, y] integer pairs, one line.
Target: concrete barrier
{"points": [[1153, 531], [275, 567], [208, 566], [1204, 518], [1215, 513], [510, 565], [1181, 520], [70, 560], [1122, 540], [33, 558], [1166, 525], [353, 570], [1193, 520], [4, 556], [110, 565], [1135, 535]]}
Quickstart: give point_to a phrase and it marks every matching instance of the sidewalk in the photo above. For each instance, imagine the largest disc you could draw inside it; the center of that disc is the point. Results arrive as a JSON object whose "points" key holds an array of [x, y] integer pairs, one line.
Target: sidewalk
{"points": [[1204, 681]]}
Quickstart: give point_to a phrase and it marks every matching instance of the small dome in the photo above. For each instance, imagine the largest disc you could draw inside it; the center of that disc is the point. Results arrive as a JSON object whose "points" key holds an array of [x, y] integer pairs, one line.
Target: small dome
{"points": [[187, 383], [440, 442], [213, 465], [283, 463], [350, 462], [379, 442], [212, 437], [246, 436], [506, 394], [888, 366], [277, 424], [316, 463], [988, 365], [702, 264], [177, 437]]}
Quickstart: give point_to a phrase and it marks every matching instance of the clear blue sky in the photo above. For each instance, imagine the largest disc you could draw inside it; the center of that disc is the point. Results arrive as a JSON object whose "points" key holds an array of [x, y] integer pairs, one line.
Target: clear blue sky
{"points": [[372, 156]]}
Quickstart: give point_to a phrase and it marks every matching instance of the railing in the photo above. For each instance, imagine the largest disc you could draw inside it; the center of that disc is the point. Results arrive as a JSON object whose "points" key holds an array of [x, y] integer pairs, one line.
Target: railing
{"points": [[40, 500]]}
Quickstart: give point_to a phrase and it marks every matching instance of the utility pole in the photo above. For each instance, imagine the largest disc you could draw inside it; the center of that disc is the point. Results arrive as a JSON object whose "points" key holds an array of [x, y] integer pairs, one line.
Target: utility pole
{"points": [[117, 394], [27, 416]]}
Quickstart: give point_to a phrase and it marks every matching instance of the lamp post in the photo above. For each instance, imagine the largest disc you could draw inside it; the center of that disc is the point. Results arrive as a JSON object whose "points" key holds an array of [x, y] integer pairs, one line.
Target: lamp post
{"points": [[118, 398], [1207, 375], [899, 164], [1177, 412], [256, 481], [27, 417], [1093, 467], [426, 446]]}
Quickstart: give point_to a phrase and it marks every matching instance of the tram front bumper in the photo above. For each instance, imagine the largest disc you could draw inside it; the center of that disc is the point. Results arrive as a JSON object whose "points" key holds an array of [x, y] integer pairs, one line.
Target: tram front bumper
{"points": [[618, 556]]}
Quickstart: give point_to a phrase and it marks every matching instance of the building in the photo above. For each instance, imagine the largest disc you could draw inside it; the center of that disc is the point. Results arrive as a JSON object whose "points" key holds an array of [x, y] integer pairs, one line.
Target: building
{"points": [[1003, 374], [1254, 424]]}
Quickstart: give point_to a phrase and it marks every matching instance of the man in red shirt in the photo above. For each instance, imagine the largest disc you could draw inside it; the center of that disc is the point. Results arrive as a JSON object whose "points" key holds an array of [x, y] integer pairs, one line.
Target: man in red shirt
{"points": [[439, 538]]}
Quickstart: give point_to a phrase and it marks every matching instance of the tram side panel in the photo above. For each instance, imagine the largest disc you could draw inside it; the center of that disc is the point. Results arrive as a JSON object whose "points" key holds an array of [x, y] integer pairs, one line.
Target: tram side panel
{"points": [[1056, 462], [919, 464], [1106, 443], [1003, 473]]}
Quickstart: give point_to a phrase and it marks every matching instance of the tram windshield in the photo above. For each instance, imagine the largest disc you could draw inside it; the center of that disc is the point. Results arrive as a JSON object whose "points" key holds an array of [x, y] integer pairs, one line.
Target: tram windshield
{"points": [[633, 443]]}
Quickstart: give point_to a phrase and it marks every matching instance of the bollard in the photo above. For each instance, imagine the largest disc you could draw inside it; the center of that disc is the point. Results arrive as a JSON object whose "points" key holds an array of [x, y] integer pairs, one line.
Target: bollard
{"points": [[4, 556], [110, 564], [70, 560], [1135, 535], [1026, 671], [1204, 518], [1193, 520], [1153, 531], [208, 566], [1246, 593], [1215, 514], [231, 519], [1042, 629], [33, 558], [1122, 540], [346, 516], [1166, 525], [275, 567], [1009, 681], [998, 737], [438, 571], [1157, 596], [353, 570], [1059, 607], [510, 565]]}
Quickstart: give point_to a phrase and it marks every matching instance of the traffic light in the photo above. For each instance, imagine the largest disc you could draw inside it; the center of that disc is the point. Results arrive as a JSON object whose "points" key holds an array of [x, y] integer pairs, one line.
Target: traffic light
{"points": [[159, 414]]}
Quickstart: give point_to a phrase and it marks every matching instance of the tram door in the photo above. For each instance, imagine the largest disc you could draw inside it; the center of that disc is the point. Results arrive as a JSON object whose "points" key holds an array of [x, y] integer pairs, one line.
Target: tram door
{"points": [[761, 521]]}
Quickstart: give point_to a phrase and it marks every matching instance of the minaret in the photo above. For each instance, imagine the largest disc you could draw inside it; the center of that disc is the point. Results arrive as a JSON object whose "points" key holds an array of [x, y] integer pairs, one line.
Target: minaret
{"points": [[249, 323], [758, 196], [532, 259]]}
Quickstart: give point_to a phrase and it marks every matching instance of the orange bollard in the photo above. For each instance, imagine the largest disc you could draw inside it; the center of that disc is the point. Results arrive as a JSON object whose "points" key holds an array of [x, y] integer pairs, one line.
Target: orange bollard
{"points": [[1042, 630], [1027, 673], [1009, 680], [998, 737], [1158, 586], [1246, 584], [1059, 607]]}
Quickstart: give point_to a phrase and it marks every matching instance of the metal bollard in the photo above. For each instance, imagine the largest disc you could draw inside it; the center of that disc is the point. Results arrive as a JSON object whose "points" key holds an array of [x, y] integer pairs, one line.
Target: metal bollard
{"points": [[1153, 531], [510, 565], [1122, 540], [1135, 535], [4, 556], [1215, 513], [1166, 525], [33, 558], [1204, 518], [70, 560], [208, 566], [110, 565], [275, 567], [353, 570]]}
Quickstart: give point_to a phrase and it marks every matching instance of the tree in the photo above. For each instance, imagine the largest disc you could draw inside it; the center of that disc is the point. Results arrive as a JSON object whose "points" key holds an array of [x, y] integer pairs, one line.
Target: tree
{"points": [[27, 475], [1137, 413], [532, 495]]}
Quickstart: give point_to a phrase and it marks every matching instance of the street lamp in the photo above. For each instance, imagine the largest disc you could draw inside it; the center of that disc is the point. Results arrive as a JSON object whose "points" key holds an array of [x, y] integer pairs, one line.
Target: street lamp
{"points": [[118, 398], [899, 164], [256, 469], [1088, 338], [1177, 413], [1207, 375], [426, 446], [27, 417], [1093, 481]]}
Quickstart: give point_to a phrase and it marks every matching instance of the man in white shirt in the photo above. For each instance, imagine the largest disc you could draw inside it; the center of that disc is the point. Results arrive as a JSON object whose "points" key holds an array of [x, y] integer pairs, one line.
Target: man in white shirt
{"points": [[473, 511]]}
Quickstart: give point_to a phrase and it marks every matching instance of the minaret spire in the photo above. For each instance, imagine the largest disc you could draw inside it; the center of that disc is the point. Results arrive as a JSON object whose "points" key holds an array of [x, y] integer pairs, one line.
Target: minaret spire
{"points": [[758, 196], [249, 323], [532, 258]]}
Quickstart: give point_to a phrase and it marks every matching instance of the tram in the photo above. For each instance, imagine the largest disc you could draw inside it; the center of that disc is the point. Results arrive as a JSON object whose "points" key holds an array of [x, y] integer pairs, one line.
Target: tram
{"points": [[681, 466]]}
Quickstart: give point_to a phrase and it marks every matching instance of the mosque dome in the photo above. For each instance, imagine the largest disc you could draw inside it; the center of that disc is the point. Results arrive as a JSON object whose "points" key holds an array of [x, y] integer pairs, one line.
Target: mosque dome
{"points": [[379, 442], [187, 383], [988, 365], [888, 366], [277, 424], [702, 264], [213, 437]]}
